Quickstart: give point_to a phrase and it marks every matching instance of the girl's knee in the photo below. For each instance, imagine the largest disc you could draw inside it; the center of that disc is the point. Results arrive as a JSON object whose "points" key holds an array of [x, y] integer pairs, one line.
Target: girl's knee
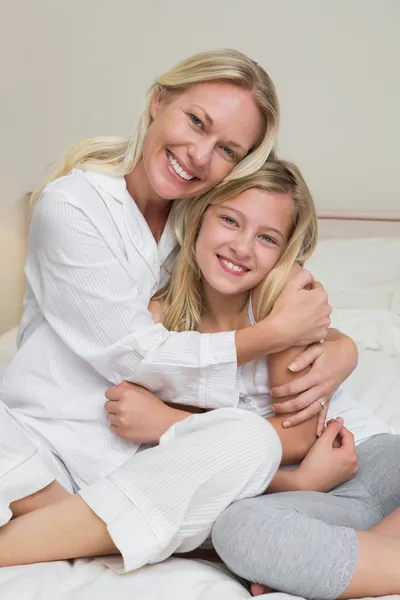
{"points": [[236, 532]]}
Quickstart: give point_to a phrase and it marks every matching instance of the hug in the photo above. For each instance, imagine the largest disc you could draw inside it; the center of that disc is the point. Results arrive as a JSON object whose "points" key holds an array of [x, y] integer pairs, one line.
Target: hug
{"points": [[151, 407]]}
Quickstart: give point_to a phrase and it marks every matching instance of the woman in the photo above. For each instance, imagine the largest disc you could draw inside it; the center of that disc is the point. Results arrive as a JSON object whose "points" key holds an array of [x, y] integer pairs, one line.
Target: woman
{"points": [[93, 264], [241, 239]]}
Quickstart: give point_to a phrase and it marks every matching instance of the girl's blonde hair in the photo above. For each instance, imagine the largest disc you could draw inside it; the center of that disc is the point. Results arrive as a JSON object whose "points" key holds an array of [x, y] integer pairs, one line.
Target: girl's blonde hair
{"points": [[118, 156], [182, 298]]}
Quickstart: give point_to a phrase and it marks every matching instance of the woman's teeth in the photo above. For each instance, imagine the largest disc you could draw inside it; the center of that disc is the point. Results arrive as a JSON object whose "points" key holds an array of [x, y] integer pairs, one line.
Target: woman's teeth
{"points": [[232, 266], [178, 169]]}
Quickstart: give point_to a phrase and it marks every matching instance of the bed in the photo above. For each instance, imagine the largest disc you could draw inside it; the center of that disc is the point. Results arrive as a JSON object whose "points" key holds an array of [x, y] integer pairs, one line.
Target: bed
{"points": [[358, 261]]}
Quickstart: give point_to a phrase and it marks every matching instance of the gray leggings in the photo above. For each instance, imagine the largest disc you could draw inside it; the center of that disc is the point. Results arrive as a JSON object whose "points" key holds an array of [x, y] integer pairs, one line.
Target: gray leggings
{"points": [[304, 543]]}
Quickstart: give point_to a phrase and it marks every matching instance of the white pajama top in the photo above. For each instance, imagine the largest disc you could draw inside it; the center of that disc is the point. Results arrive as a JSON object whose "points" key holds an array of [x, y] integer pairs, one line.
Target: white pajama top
{"points": [[91, 269]]}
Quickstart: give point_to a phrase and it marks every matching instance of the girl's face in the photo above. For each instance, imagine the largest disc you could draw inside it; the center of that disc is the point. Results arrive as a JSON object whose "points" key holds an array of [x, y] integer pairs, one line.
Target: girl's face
{"points": [[198, 137], [241, 240]]}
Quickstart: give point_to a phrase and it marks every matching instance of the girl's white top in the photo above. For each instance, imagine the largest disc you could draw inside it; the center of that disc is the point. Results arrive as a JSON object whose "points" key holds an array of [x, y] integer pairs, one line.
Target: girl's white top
{"points": [[91, 269]]}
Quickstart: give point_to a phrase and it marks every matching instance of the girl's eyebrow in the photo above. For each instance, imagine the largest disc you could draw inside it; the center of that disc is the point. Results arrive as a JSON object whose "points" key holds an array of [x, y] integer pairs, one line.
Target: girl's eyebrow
{"points": [[241, 214]]}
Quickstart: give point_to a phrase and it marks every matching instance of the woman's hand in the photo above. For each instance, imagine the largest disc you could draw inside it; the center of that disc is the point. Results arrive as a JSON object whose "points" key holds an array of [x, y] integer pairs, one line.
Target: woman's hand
{"points": [[331, 363], [331, 461], [301, 314], [136, 414]]}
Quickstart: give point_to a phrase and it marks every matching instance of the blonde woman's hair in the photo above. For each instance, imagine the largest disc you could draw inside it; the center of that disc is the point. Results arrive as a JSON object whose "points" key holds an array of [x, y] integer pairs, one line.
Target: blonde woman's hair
{"points": [[182, 298], [118, 156]]}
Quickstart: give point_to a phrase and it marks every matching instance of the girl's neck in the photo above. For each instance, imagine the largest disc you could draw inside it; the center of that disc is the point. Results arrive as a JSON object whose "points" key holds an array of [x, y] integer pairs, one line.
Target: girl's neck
{"points": [[224, 312], [154, 209]]}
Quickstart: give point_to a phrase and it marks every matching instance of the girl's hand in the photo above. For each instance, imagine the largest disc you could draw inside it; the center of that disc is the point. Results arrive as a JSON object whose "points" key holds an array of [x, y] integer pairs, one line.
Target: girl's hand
{"points": [[331, 461], [136, 414], [331, 363]]}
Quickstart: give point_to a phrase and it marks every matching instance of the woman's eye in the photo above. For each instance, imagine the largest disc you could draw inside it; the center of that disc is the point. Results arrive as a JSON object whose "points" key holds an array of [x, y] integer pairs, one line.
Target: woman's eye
{"points": [[196, 121], [229, 220]]}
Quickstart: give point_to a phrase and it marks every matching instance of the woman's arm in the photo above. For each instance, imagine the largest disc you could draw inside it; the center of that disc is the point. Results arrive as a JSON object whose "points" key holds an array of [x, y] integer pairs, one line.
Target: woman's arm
{"points": [[94, 303]]}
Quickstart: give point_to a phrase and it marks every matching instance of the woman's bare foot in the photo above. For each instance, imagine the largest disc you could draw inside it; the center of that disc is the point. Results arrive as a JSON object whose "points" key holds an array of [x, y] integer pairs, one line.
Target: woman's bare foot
{"points": [[58, 531], [48, 495]]}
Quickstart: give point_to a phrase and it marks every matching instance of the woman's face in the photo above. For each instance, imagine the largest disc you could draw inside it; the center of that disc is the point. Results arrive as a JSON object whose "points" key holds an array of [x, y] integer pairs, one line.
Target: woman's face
{"points": [[241, 240], [197, 138]]}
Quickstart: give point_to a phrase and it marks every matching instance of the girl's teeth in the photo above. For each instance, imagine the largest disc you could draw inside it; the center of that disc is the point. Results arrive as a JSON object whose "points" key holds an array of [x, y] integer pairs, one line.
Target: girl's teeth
{"points": [[232, 266], [177, 168]]}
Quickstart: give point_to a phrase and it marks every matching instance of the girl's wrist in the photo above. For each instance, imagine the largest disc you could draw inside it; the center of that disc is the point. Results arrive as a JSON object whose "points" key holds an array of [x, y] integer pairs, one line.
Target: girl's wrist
{"points": [[287, 480]]}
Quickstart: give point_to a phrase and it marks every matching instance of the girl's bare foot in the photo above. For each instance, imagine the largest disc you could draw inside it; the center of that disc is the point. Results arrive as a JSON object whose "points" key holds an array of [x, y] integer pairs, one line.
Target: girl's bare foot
{"points": [[257, 589]]}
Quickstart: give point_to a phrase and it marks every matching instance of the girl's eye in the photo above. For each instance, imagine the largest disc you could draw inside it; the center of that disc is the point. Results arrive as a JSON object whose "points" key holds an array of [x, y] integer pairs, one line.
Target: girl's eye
{"points": [[268, 239], [196, 121], [229, 220]]}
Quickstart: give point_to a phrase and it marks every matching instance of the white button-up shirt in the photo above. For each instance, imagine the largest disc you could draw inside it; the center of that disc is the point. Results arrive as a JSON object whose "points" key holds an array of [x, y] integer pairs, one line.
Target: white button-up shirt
{"points": [[91, 269]]}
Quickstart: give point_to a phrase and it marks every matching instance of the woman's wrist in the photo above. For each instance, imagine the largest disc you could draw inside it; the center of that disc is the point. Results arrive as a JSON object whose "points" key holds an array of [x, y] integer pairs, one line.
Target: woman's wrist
{"points": [[173, 416]]}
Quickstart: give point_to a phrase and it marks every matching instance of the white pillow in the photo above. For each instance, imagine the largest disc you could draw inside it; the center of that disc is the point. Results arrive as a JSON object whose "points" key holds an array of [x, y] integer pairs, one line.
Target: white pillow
{"points": [[370, 329], [359, 273]]}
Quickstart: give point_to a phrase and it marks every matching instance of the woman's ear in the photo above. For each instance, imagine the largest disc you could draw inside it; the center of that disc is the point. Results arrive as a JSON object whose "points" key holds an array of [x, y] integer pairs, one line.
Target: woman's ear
{"points": [[156, 104]]}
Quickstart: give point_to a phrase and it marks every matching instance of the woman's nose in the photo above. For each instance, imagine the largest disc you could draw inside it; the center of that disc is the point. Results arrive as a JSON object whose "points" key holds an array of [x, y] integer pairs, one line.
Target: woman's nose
{"points": [[201, 151]]}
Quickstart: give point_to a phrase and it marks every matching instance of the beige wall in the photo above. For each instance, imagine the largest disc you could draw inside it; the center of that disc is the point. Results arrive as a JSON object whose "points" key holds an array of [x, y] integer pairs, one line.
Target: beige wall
{"points": [[79, 68]]}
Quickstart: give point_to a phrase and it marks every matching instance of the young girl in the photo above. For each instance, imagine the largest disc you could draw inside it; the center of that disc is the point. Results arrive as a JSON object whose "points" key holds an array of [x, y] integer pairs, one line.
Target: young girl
{"points": [[313, 544], [241, 243]]}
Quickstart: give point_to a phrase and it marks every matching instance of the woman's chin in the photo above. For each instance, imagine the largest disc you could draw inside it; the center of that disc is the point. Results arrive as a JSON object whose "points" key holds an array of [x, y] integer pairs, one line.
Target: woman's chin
{"points": [[169, 187]]}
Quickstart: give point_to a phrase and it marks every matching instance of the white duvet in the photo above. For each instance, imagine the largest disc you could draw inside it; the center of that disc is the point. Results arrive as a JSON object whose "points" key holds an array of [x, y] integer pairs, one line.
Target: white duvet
{"points": [[376, 383]]}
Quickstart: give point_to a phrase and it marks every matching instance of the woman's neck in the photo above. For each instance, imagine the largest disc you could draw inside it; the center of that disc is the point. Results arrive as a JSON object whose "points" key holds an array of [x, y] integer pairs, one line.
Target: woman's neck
{"points": [[224, 312], [154, 209]]}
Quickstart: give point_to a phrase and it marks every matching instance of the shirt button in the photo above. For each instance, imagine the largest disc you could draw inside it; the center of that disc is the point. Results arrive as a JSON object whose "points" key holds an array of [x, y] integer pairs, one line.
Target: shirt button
{"points": [[241, 395]]}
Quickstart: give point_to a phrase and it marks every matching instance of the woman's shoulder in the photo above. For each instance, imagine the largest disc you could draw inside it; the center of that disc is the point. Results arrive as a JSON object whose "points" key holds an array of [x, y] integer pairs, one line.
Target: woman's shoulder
{"points": [[71, 185], [71, 205], [83, 192]]}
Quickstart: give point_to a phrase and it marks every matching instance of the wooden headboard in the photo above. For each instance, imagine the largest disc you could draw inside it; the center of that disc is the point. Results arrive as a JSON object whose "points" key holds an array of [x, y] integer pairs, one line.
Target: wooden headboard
{"points": [[358, 225], [13, 238]]}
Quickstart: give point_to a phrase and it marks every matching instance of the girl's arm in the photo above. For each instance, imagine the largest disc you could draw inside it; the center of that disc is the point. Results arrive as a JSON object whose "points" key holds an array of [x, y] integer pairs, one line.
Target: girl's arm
{"points": [[296, 441], [93, 301], [331, 364], [331, 461]]}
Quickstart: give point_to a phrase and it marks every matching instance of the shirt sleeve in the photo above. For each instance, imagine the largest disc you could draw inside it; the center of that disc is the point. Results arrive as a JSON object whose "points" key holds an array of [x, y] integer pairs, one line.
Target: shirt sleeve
{"points": [[93, 304]]}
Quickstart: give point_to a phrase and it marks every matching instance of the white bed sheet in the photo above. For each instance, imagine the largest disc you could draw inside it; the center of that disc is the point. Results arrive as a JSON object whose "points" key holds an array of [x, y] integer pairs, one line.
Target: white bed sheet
{"points": [[376, 383]]}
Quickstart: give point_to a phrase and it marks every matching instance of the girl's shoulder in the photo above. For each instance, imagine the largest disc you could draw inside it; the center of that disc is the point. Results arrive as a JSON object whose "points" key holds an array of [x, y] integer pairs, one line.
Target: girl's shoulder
{"points": [[156, 309]]}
